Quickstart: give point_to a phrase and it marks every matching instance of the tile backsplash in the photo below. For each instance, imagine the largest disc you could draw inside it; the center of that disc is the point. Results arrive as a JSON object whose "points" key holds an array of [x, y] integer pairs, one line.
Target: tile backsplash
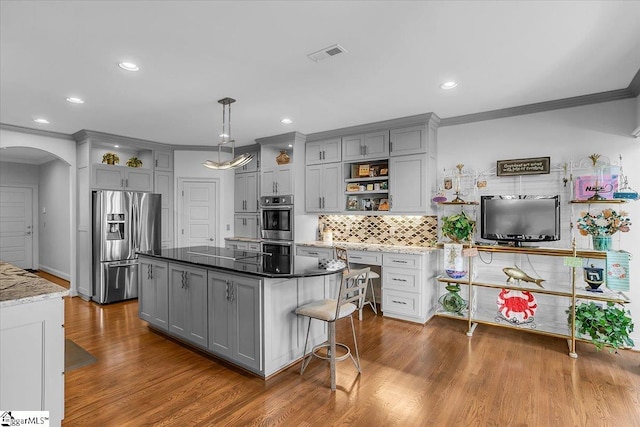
{"points": [[382, 229]]}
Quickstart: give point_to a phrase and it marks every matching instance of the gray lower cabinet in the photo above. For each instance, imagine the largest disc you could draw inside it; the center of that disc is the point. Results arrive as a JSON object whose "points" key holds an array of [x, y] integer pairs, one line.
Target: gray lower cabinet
{"points": [[188, 303], [235, 319], [153, 292]]}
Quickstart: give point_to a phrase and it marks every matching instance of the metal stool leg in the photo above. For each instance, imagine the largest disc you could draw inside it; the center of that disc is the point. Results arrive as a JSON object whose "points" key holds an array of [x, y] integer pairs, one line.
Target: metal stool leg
{"points": [[305, 359], [372, 301], [332, 344]]}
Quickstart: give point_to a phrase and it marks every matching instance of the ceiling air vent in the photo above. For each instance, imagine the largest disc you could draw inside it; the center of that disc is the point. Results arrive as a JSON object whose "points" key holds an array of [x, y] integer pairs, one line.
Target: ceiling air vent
{"points": [[327, 52]]}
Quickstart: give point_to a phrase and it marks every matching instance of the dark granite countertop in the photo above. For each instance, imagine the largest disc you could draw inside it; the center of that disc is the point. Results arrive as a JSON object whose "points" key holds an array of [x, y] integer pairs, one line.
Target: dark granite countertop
{"points": [[245, 262]]}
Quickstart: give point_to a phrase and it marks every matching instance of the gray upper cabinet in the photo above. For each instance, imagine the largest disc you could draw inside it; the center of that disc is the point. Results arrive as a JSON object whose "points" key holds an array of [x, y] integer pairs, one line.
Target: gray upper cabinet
{"points": [[410, 140], [322, 190], [372, 145], [408, 184], [328, 151], [246, 192], [163, 160], [277, 181], [253, 165], [112, 177]]}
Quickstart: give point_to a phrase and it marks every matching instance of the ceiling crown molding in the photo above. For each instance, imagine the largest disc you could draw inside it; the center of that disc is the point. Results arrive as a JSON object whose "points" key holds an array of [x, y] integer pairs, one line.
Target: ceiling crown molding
{"points": [[575, 101], [634, 86], [40, 132]]}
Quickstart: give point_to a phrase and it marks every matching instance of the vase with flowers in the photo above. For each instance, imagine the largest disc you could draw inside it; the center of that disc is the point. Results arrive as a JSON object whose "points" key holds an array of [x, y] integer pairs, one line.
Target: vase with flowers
{"points": [[601, 226]]}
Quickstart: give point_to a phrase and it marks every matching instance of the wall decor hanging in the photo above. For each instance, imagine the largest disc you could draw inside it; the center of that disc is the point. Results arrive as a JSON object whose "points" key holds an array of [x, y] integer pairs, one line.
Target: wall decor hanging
{"points": [[530, 166]]}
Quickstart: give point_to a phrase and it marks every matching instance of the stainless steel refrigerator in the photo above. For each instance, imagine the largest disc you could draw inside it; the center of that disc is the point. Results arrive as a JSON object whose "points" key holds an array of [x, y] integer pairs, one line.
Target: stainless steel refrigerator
{"points": [[123, 223]]}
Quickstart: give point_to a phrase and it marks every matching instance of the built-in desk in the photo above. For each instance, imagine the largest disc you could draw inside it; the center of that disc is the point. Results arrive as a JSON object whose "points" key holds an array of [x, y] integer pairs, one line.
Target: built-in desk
{"points": [[406, 274], [236, 305]]}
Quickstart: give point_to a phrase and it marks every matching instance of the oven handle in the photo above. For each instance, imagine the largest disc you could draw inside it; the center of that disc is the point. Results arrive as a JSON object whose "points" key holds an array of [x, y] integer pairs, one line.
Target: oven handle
{"points": [[276, 208], [278, 242]]}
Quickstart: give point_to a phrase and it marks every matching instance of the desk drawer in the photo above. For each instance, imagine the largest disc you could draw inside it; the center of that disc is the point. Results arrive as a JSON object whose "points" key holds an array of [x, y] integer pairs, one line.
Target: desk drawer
{"points": [[321, 253], [402, 279], [402, 260], [402, 303], [365, 257]]}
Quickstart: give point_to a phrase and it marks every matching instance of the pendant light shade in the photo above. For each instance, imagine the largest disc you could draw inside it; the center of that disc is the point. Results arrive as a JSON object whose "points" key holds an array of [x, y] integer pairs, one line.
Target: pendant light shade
{"points": [[225, 136]]}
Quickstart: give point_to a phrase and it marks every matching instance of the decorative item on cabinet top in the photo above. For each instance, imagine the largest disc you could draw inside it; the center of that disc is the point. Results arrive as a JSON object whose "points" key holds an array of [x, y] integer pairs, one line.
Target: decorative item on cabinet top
{"points": [[110, 158], [283, 158], [134, 162]]}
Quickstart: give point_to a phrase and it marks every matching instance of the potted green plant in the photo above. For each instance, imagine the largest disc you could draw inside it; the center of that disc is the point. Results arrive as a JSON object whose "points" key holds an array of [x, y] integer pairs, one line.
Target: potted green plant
{"points": [[110, 158], [134, 162], [458, 227], [606, 325]]}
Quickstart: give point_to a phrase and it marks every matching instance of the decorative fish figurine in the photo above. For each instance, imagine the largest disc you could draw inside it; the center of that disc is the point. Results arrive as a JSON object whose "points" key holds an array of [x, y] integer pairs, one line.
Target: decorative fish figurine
{"points": [[515, 273]]}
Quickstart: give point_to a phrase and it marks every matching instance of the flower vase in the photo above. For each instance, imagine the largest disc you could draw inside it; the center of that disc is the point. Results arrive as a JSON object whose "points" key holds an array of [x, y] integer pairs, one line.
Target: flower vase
{"points": [[452, 302], [601, 243]]}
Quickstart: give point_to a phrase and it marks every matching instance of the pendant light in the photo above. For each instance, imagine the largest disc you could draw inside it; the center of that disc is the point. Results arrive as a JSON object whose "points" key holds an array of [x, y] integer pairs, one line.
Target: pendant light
{"points": [[225, 136]]}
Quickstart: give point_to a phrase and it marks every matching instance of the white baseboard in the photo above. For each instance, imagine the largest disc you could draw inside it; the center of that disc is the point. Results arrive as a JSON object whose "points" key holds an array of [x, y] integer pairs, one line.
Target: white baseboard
{"points": [[55, 272]]}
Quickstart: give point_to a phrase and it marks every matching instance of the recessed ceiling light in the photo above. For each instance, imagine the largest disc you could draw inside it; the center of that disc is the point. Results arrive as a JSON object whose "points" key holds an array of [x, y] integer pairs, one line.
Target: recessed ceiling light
{"points": [[290, 145], [75, 100], [116, 146], [448, 85], [286, 121], [41, 121], [129, 66]]}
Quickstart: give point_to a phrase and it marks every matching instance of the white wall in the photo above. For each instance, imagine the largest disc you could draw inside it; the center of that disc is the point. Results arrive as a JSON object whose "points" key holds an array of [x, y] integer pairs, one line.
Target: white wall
{"points": [[20, 174], [564, 135], [188, 164], [65, 150], [54, 218]]}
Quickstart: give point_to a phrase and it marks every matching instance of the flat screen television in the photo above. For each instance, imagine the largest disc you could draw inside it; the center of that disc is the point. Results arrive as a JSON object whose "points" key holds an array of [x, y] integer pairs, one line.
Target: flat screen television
{"points": [[518, 219]]}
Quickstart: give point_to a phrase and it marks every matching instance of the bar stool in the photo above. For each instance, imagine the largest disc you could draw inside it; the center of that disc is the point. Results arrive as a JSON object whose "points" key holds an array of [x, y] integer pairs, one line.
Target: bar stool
{"points": [[341, 254], [350, 298]]}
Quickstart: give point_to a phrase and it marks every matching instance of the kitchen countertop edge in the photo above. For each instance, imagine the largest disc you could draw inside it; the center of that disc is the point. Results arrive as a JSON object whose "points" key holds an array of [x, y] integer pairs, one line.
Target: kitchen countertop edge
{"points": [[312, 272], [411, 250]]}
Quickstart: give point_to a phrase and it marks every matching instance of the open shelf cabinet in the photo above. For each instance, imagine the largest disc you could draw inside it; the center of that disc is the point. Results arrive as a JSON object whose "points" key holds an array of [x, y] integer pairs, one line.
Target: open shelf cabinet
{"points": [[553, 302]]}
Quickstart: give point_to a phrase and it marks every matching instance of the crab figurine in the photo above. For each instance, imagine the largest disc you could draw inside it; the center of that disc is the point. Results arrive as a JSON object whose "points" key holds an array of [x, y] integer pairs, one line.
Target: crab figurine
{"points": [[516, 306]]}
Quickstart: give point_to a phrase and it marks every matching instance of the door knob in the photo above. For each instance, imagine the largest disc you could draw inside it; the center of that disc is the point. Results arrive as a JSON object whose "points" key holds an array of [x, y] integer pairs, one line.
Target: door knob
{"points": [[27, 233], [211, 238]]}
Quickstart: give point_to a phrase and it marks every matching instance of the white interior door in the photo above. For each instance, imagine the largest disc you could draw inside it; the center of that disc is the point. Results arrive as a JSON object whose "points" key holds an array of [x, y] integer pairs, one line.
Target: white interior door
{"points": [[16, 226], [199, 213]]}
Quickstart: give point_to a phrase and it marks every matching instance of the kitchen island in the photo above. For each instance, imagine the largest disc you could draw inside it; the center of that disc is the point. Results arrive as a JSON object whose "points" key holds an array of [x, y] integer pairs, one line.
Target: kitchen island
{"points": [[235, 305], [32, 337]]}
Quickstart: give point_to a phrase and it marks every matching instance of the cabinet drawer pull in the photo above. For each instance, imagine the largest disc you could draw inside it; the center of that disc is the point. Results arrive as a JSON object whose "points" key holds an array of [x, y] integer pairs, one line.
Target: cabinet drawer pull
{"points": [[313, 253], [399, 261], [399, 280], [399, 302], [355, 257]]}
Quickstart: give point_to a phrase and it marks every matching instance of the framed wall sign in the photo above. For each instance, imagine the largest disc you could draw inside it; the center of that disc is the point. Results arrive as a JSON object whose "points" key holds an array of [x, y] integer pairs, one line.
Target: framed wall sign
{"points": [[530, 166]]}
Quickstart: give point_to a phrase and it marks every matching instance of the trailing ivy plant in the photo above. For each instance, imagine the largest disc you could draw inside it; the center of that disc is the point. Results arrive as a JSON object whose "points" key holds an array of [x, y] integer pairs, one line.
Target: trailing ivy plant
{"points": [[606, 325], [458, 227]]}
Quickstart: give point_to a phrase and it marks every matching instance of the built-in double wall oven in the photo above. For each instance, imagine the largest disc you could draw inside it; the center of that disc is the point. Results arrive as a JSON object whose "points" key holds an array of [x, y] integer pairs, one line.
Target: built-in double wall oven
{"points": [[276, 228]]}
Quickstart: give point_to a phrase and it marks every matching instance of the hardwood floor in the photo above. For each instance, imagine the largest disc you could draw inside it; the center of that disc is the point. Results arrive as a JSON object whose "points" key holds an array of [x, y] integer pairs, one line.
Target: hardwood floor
{"points": [[413, 375]]}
